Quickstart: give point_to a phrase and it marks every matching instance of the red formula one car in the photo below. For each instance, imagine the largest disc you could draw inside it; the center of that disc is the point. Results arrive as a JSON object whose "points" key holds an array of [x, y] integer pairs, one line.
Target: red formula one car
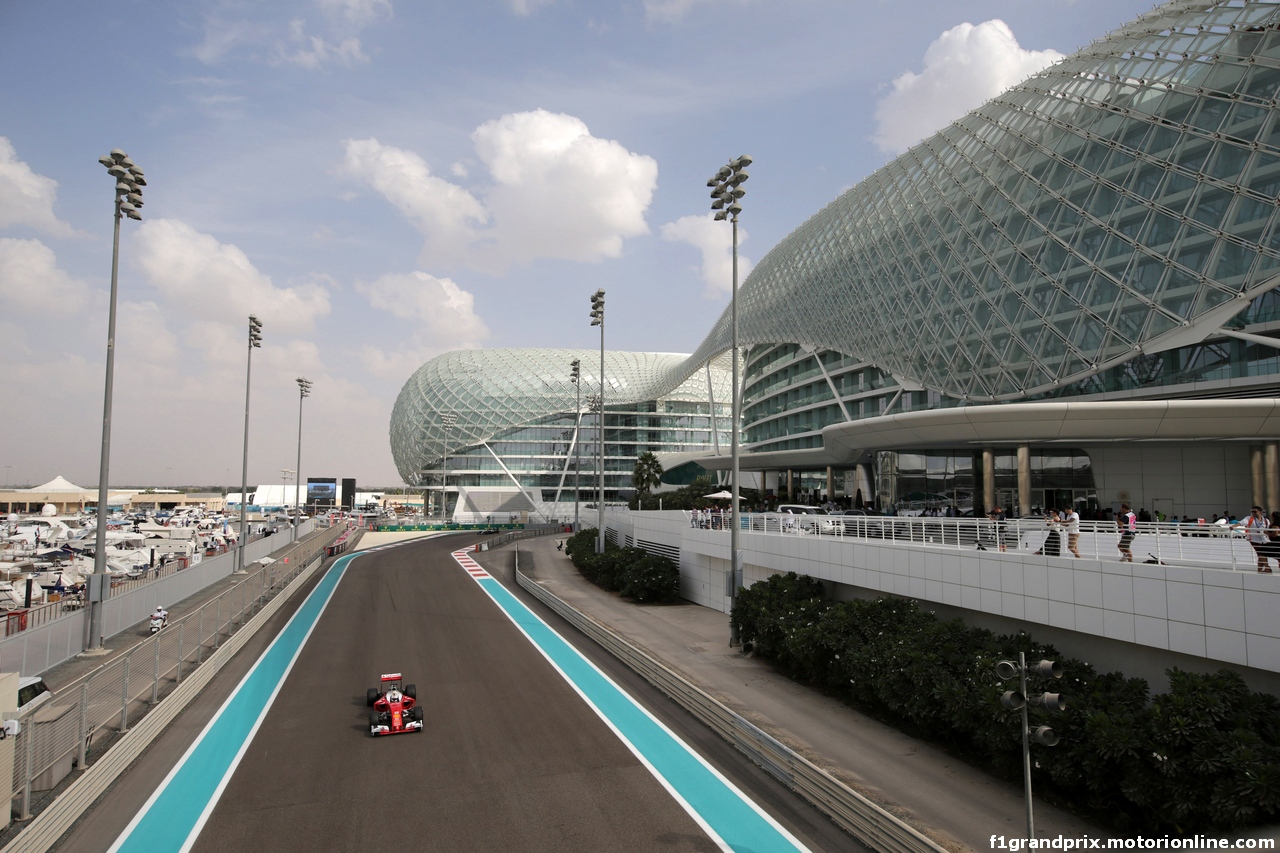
{"points": [[395, 711]]}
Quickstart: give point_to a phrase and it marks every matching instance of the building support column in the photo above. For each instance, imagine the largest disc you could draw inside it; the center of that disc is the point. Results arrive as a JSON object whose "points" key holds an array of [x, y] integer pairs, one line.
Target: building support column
{"points": [[1258, 490], [791, 496], [831, 486], [1024, 480], [988, 480], [1271, 475]]}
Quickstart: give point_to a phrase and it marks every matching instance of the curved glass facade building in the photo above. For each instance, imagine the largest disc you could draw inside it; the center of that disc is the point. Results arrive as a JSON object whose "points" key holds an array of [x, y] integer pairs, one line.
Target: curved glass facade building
{"points": [[499, 429], [1118, 203], [1105, 231]]}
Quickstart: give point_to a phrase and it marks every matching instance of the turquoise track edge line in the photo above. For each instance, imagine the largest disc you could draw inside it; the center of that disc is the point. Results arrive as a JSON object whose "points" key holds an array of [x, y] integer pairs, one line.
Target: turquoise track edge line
{"points": [[724, 810], [172, 817]]}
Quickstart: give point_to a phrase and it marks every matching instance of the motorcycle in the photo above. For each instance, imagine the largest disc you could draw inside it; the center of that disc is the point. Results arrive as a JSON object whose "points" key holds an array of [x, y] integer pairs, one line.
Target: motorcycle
{"points": [[158, 622]]}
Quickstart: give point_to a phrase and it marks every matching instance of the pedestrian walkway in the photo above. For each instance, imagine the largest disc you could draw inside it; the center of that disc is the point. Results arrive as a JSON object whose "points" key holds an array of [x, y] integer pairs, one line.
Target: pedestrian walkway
{"points": [[956, 805]]}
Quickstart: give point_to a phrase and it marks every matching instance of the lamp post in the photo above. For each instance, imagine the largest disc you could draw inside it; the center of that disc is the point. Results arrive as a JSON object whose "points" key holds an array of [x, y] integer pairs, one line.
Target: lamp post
{"points": [[575, 376], [255, 340], [1019, 700], [597, 319], [726, 190], [448, 419], [304, 391], [129, 183]]}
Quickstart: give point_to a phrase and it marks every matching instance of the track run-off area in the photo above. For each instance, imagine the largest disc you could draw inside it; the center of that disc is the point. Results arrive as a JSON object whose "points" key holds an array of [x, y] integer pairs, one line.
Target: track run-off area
{"points": [[529, 743]]}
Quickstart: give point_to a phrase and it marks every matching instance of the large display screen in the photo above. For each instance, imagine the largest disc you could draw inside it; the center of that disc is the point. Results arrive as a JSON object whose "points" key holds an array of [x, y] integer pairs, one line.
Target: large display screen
{"points": [[322, 491]]}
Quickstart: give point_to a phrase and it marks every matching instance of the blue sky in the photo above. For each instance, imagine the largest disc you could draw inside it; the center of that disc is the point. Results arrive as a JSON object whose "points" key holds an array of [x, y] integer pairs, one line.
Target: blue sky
{"points": [[382, 181]]}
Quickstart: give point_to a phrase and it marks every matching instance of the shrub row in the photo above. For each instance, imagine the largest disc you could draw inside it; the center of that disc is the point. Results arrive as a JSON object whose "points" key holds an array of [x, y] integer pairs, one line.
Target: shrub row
{"points": [[632, 572], [1204, 756]]}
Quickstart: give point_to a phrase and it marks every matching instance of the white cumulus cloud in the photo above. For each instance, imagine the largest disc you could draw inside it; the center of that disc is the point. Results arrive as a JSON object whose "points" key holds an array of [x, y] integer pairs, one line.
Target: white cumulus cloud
{"points": [[439, 307], [26, 198], [441, 313], [213, 281], [32, 282], [964, 67], [554, 191], [714, 240]]}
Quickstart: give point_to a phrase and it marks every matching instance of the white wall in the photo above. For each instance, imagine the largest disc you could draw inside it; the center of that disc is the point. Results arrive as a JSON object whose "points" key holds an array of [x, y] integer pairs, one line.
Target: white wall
{"points": [[1220, 616], [1196, 480]]}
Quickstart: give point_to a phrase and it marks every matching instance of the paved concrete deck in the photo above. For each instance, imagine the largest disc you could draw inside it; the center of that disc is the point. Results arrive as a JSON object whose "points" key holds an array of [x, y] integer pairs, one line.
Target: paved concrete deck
{"points": [[958, 806]]}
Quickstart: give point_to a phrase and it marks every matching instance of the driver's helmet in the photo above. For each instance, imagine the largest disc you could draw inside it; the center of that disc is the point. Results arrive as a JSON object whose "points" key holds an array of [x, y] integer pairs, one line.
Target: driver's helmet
{"points": [[393, 695], [159, 609]]}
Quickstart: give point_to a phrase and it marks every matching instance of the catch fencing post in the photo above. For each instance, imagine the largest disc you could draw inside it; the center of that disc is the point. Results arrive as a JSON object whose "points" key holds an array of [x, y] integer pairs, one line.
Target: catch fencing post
{"points": [[181, 653], [155, 678], [30, 760], [82, 752], [124, 698]]}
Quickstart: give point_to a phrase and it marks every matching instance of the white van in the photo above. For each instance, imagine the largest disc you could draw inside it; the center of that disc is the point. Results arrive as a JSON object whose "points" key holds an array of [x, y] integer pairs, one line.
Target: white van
{"points": [[32, 693]]}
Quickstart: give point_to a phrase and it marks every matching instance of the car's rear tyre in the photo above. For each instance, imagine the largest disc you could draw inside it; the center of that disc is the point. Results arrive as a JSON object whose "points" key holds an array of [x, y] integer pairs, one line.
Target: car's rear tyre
{"points": [[411, 690], [372, 696]]}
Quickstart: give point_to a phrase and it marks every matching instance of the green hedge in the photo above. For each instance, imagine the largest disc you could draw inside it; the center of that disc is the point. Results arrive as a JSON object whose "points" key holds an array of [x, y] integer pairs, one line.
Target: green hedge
{"points": [[1204, 756], [633, 572]]}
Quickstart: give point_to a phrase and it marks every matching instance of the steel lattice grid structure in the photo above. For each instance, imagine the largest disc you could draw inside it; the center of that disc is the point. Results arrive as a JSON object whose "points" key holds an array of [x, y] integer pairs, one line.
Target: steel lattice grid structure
{"points": [[1121, 201], [495, 391]]}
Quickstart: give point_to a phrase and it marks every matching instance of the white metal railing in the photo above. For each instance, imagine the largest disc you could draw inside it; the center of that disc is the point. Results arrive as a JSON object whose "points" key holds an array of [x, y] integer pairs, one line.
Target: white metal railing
{"points": [[1201, 546]]}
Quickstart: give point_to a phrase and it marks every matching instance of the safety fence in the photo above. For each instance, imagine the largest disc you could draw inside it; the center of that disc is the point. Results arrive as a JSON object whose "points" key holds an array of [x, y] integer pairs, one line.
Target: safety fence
{"points": [[58, 736], [853, 812], [530, 533], [1193, 545]]}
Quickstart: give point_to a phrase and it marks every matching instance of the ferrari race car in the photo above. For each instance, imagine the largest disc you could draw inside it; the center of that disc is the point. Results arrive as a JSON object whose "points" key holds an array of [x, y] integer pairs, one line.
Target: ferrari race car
{"points": [[395, 710]]}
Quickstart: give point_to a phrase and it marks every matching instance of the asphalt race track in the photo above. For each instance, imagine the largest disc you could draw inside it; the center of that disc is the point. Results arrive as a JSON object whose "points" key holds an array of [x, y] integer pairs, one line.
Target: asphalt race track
{"points": [[511, 757]]}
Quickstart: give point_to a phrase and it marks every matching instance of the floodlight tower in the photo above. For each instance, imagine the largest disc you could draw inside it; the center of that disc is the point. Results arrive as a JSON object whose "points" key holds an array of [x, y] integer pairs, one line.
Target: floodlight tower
{"points": [[575, 376], [727, 192], [304, 391], [448, 419], [597, 319], [255, 341], [129, 183], [1018, 699]]}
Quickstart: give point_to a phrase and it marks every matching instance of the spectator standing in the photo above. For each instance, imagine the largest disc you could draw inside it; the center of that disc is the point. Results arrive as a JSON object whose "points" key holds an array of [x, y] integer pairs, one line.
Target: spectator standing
{"points": [[1255, 530], [1072, 521], [1127, 523]]}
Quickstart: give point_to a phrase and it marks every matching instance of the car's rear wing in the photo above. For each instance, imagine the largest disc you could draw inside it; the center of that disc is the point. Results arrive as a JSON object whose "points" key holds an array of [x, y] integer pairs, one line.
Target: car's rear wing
{"points": [[391, 676]]}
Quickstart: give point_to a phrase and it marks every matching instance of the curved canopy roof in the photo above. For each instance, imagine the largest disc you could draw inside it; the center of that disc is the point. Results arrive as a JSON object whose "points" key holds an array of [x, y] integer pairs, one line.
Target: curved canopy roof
{"points": [[484, 392], [1122, 200]]}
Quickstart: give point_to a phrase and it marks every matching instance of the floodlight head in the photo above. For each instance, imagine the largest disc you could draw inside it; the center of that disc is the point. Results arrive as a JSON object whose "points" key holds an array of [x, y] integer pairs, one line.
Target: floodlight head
{"points": [[738, 178], [1045, 735], [1013, 700], [254, 323], [126, 206], [711, 182], [126, 162], [1007, 669], [721, 215], [741, 163], [107, 161], [118, 155], [117, 171], [1049, 669], [135, 199], [1054, 701], [133, 214], [724, 172], [717, 204], [735, 209]]}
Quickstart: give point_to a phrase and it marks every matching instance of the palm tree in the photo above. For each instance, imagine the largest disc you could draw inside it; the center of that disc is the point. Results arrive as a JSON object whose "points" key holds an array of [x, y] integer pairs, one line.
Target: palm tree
{"points": [[647, 474]]}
